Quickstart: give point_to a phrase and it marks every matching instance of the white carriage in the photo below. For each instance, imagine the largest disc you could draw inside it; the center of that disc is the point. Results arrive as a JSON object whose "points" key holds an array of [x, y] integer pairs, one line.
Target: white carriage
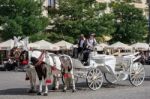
{"points": [[114, 69]]}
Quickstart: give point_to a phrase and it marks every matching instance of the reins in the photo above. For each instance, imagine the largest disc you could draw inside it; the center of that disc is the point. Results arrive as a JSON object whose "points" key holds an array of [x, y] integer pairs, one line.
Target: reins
{"points": [[41, 57]]}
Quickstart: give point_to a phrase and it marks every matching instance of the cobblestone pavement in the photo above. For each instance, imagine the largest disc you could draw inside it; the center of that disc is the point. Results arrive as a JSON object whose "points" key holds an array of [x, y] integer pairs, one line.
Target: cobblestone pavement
{"points": [[13, 86]]}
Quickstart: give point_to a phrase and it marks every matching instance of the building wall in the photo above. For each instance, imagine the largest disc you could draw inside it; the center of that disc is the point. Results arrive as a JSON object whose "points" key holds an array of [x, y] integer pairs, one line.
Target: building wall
{"points": [[49, 3], [137, 3], [45, 5], [142, 4]]}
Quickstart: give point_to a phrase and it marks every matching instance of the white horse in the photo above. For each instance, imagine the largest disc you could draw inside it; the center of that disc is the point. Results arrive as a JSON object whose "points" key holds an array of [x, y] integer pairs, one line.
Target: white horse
{"points": [[48, 64], [45, 65], [21, 53]]}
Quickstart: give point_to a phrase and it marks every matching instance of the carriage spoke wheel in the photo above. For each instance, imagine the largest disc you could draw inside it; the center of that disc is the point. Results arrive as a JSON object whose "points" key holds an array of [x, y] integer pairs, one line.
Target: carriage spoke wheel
{"points": [[137, 74], [94, 78], [110, 78]]}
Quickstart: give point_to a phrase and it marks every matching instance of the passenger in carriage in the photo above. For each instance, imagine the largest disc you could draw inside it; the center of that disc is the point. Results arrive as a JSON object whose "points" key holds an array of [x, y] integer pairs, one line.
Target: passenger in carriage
{"points": [[80, 43], [89, 46]]}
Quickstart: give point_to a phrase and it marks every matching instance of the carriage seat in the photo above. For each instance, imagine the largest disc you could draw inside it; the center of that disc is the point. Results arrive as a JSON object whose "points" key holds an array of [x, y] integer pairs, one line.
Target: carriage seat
{"points": [[77, 64]]}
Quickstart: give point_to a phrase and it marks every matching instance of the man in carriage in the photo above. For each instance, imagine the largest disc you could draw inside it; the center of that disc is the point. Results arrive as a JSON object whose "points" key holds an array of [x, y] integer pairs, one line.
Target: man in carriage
{"points": [[89, 46], [80, 43]]}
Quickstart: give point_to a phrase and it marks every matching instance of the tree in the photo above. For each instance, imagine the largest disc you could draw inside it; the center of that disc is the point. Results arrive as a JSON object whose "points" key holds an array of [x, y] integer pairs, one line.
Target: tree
{"points": [[21, 18], [74, 17], [130, 23]]}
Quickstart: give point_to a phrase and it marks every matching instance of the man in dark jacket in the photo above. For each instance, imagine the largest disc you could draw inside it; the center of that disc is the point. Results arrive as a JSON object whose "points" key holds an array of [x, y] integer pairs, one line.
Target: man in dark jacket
{"points": [[80, 42], [89, 44]]}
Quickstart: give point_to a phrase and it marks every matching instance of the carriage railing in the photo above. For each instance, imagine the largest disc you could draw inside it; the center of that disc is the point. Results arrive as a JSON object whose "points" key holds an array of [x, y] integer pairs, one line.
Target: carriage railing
{"points": [[122, 62], [97, 59], [127, 60]]}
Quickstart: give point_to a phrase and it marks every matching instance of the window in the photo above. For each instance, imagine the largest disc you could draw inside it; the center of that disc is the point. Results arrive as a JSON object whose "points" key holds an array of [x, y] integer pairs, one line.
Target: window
{"points": [[137, 1], [52, 3]]}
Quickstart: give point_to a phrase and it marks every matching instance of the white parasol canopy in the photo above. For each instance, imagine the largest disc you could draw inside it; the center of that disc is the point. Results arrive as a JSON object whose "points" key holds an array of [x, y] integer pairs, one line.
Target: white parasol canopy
{"points": [[9, 44], [140, 46], [120, 45], [103, 45], [34, 46], [45, 45], [64, 45]]}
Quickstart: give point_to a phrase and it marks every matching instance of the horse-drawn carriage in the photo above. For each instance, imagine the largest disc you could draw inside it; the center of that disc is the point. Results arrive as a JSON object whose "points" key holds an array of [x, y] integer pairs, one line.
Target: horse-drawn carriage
{"points": [[114, 69]]}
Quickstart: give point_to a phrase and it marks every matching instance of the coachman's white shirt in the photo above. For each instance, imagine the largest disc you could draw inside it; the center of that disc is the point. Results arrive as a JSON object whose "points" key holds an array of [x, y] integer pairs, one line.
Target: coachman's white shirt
{"points": [[90, 42]]}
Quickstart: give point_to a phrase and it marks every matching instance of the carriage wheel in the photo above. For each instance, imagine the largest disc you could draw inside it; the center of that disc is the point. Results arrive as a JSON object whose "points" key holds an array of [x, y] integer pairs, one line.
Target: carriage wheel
{"points": [[94, 78], [137, 74], [111, 79]]}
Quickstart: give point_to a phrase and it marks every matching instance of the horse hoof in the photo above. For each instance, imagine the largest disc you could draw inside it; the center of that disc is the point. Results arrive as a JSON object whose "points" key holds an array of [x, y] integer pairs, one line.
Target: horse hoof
{"points": [[64, 90], [34, 91], [31, 91], [39, 93], [74, 90], [45, 94], [54, 88]]}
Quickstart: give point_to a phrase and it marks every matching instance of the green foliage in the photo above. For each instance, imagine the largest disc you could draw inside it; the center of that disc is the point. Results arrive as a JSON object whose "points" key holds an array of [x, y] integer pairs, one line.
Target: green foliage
{"points": [[12, 29], [74, 17], [51, 37], [34, 24], [129, 22], [39, 36], [21, 18]]}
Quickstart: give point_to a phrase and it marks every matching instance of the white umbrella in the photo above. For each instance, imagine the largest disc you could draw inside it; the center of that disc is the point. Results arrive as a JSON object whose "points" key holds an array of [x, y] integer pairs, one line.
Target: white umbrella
{"points": [[34, 46], [103, 45], [64, 45], [45, 45], [120, 45], [9, 44], [140, 46]]}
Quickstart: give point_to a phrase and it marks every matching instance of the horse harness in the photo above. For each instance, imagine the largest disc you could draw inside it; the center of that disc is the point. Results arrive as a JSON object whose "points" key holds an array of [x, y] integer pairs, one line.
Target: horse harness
{"points": [[53, 67], [40, 59], [17, 53]]}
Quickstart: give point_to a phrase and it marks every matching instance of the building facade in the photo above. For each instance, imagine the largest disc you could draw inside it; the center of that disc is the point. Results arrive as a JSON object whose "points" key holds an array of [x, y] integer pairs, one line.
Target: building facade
{"points": [[49, 4], [141, 4]]}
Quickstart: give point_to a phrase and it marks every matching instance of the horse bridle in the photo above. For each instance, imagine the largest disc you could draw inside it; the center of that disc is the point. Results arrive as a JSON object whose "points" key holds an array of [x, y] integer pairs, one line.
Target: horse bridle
{"points": [[16, 53]]}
